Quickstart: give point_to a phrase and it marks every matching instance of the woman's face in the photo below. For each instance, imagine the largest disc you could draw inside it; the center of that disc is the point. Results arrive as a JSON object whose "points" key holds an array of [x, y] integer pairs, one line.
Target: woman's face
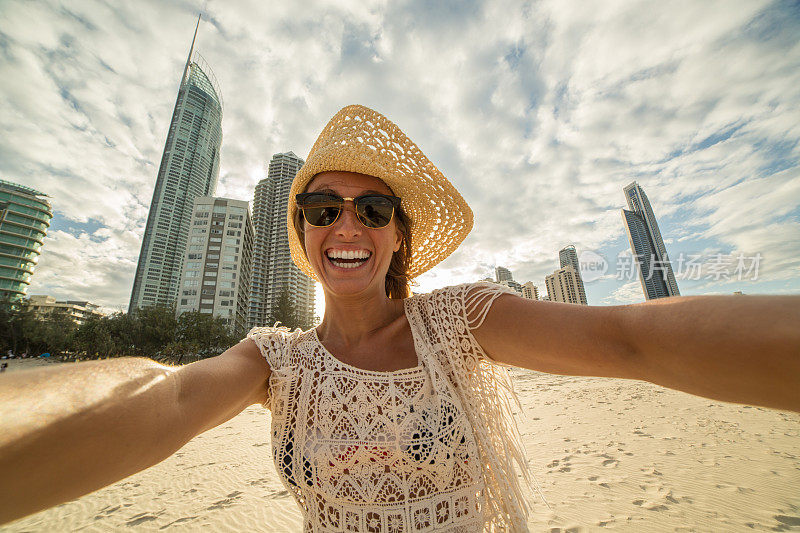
{"points": [[325, 245]]}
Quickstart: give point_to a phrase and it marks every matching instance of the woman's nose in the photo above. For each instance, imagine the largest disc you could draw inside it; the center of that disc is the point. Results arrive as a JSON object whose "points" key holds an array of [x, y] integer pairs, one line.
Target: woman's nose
{"points": [[348, 224]]}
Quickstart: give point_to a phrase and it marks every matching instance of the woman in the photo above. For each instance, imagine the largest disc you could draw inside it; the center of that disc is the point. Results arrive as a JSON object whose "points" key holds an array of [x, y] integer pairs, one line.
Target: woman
{"points": [[392, 414]]}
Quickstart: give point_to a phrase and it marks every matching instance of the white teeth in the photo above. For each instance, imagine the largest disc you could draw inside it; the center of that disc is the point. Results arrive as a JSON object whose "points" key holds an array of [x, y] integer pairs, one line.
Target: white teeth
{"points": [[349, 254], [338, 257]]}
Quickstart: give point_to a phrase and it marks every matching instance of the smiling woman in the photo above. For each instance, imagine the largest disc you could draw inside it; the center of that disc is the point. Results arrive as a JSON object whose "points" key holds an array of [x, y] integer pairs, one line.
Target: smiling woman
{"points": [[394, 414]]}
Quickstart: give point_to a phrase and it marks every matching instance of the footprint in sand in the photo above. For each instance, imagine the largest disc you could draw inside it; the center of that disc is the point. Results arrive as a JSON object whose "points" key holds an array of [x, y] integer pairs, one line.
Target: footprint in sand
{"points": [[786, 522], [140, 519], [656, 507], [229, 500], [178, 521]]}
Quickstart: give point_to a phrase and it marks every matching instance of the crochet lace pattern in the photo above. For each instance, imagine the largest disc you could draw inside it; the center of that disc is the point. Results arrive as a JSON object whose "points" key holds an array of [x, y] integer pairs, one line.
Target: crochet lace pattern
{"points": [[428, 448]]}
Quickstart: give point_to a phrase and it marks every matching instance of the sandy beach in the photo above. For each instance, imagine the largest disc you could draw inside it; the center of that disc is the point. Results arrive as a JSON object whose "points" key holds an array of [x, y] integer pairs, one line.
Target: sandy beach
{"points": [[608, 454]]}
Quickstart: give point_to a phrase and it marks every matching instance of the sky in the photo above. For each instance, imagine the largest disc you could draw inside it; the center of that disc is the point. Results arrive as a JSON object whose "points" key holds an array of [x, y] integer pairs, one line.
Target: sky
{"points": [[538, 112]]}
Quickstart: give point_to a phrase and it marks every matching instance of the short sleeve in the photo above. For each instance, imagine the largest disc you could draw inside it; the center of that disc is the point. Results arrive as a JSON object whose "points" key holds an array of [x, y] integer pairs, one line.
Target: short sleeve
{"points": [[275, 344], [453, 313], [478, 299]]}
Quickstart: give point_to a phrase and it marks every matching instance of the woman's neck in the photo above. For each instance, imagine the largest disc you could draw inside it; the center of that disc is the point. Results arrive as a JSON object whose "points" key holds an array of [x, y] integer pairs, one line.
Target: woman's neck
{"points": [[352, 319]]}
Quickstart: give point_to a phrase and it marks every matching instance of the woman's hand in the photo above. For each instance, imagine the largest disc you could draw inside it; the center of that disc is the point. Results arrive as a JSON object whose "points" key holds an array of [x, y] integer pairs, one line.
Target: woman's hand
{"points": [[743, 349], [71, 429]]}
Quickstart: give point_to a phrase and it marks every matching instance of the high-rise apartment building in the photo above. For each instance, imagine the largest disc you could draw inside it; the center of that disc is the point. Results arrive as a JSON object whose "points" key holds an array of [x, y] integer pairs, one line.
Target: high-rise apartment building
{"points": [[217, 264], [273, 269], [568, 256], [24, 218], [562, 286], [502, 274], [647, 246], [530, 291], [189, 168]]}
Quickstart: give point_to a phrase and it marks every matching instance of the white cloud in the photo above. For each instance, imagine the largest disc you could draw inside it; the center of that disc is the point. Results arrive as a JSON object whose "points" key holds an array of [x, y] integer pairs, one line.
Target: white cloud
{"points": [[630, 293], [538, 114]]}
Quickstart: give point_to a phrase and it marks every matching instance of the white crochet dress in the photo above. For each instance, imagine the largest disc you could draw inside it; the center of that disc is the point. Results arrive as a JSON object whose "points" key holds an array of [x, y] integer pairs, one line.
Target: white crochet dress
{"points": [[429, 448]]}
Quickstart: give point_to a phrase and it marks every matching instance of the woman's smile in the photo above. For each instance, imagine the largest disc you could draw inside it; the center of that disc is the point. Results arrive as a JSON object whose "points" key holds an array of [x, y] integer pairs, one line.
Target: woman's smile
{"points": [[348, 259]]}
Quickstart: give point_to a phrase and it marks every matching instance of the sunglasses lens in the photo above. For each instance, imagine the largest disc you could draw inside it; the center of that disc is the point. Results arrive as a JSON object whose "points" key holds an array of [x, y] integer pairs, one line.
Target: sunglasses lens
{"points": [[321, 209], [374, 211]]}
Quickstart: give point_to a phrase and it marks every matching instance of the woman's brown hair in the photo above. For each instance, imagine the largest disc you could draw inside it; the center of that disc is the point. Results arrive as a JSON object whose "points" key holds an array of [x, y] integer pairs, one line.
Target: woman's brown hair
{"points": [[398, 286]]}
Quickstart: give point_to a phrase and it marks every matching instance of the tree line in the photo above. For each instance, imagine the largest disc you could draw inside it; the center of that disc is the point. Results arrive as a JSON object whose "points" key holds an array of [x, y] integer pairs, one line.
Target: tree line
{"points": [[154, 332]]}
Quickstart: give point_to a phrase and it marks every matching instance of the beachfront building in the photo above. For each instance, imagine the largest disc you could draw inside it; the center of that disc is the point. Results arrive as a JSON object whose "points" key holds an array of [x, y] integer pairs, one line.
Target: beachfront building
{"points": [[647, 246], [274, 272], [568, 256], [79, 311], [189, 168], [502, 274], [512, 285], [216, 272], [530, 291], [504, 277], [562, 286], [25, 216]]}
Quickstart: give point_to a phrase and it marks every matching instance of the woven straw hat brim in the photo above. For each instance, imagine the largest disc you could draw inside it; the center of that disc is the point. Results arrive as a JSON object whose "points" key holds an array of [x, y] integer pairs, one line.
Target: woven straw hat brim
{"points": [[358, 139]]}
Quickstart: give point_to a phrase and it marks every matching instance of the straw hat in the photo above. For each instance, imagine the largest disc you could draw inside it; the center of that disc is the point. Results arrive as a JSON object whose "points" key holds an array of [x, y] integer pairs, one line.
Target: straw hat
{"points": [[358, 139]]}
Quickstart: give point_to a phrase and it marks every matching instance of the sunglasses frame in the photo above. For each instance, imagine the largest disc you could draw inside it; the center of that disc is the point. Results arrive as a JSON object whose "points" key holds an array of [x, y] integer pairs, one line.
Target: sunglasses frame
{"points": [[394, 200]]}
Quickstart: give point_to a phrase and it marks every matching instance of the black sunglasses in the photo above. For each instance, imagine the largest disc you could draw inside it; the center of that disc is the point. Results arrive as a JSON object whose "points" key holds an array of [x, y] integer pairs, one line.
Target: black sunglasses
{"points": [[322, 209]]}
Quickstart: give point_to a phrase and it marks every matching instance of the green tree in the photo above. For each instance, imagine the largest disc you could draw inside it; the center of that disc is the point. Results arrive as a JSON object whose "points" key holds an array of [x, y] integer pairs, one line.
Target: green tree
{"points": [[150, 329], [16, 322], [200, 334], [286, 313], [52, 333], [106, 336]]}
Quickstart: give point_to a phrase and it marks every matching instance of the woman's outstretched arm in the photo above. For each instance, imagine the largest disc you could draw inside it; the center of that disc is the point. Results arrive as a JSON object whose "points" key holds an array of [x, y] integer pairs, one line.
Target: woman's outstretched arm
{"points": [[71, 429], [743, 349]]}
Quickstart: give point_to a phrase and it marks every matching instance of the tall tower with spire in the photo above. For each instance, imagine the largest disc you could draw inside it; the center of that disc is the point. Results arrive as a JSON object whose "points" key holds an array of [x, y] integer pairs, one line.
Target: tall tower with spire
{"points": [[655, 269], [189, 168]]}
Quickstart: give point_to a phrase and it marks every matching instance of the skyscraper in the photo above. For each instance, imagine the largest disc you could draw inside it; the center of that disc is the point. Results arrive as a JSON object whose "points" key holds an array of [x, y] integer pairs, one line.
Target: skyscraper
{"points": [[562, 286], [273, 269], [189, 168], [217, 263], [568, 256], [530, 291], [502, 274], [24, 218], [647, 246]]}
